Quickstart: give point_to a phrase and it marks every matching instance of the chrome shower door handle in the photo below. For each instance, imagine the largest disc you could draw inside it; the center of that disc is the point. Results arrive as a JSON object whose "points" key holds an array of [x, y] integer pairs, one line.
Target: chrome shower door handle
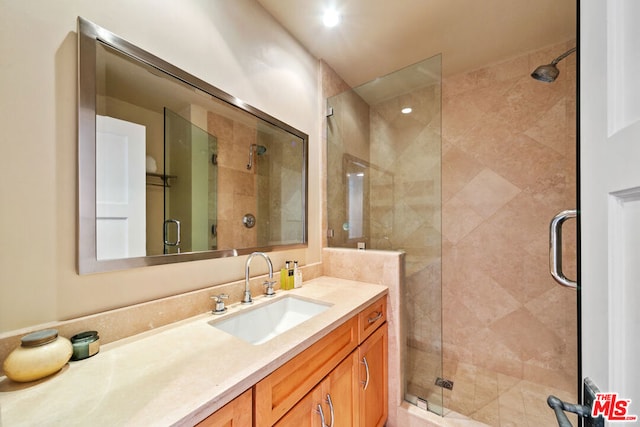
{"points": [[555, 247]]}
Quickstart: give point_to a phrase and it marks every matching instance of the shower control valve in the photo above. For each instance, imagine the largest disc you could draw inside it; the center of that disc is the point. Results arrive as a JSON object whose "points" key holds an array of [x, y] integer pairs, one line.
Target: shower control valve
{"points": [[249, 220]]}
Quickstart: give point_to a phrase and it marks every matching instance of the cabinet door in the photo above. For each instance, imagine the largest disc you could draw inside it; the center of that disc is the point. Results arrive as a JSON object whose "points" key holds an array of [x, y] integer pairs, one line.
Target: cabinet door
{"points": [[373, 382], [340, 393], [306, 413], [236, 413], [276, 394]]}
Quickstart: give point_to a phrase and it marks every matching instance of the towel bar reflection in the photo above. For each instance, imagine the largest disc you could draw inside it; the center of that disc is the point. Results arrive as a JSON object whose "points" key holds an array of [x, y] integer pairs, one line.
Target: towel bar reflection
{"points": [[159, 179]]}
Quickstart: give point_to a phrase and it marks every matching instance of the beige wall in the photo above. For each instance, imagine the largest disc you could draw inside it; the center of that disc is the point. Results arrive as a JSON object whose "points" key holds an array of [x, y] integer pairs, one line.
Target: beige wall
{"points": [[258, 62]]}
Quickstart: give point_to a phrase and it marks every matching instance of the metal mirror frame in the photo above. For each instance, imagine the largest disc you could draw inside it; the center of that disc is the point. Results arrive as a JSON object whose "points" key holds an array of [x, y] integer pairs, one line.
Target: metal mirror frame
{"points": [[88, 35]]}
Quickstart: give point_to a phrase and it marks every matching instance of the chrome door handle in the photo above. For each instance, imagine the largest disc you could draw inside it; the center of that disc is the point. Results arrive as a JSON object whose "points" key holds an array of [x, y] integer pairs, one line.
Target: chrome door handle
{"points": [[559, 407], [319, 411], [555, 248], [330, 409], [365, 383]]}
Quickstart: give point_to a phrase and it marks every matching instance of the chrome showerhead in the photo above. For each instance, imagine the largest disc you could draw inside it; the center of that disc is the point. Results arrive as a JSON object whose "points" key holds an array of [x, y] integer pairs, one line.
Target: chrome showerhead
{"points": [[549, 73], [546, 73]]}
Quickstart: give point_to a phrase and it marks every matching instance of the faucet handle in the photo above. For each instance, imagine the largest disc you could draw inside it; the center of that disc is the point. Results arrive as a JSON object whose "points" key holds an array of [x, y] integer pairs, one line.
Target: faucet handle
{"points": [[220, 297], [219, 308], [270, 292]]}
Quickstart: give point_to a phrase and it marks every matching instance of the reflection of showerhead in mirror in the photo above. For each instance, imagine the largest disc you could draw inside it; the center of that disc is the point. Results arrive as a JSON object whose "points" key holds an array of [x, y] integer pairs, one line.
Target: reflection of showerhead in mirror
{"points": [[260, 150]]}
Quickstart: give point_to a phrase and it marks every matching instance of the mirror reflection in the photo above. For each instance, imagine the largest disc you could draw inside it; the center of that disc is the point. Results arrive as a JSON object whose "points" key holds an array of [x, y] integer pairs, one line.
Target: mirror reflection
{"points": [[182, 171]]}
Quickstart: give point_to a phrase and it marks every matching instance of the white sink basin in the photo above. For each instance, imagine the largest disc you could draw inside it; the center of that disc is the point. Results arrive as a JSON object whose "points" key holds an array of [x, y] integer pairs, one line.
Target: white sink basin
{"points": [[260, 324]]}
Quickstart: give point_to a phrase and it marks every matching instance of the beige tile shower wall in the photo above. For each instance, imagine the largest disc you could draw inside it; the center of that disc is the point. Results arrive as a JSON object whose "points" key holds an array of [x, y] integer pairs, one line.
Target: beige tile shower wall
{"points": [[509, 165], [331, 84], [348, 138], [266, 216], [281, 178], [236, 184], [405, 212]]}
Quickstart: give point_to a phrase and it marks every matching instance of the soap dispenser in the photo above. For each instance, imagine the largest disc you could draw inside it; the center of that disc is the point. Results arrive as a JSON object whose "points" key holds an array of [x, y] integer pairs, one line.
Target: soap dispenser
{"points": [[290, 278], [297, 275], [284, 277]]}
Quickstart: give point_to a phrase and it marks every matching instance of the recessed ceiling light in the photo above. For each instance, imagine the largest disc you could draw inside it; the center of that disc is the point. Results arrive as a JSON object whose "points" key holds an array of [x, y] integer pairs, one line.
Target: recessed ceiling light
{"points": [[406, 110], [331, 18]]}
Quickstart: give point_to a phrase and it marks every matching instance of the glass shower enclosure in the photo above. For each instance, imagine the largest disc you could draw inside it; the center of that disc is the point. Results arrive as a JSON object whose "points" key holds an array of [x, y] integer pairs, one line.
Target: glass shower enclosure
{"points": [[190, 190], [384, 193]]}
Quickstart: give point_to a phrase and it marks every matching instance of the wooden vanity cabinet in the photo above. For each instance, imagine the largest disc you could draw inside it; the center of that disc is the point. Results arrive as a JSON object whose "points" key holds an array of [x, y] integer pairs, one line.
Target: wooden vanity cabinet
{"points": [[237, 413], [347, 367]]}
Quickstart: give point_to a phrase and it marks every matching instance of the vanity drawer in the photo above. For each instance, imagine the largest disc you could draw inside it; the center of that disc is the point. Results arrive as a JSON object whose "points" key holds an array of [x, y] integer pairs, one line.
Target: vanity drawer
{"points": [[280, 391], [371, 318]]}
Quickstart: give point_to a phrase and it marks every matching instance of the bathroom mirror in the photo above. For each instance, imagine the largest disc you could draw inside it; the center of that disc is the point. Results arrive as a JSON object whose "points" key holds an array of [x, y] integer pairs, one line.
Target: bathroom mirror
{"points": [[172, 169]]}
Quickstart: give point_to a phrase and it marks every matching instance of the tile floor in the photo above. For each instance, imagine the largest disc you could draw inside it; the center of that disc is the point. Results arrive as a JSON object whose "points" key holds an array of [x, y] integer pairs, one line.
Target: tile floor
{"points": [[485, 397]]}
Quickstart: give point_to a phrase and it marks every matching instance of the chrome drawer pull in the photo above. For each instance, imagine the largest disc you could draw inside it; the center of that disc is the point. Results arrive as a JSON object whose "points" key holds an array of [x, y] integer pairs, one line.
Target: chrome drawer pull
{"points": [[378, 315]]}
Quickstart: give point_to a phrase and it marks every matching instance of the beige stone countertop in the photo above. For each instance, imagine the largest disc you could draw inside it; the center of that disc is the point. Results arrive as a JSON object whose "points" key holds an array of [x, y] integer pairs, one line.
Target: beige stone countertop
{"points": [[177, 374]]}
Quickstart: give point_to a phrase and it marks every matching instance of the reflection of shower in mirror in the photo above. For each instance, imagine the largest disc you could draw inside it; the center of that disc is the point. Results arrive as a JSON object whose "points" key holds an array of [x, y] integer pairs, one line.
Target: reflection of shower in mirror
{"points": [[260, 150]]}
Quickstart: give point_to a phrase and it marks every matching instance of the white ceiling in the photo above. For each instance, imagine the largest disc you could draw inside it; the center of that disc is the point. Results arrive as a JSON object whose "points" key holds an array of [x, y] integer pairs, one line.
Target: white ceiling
{"points": [[377, 37]]}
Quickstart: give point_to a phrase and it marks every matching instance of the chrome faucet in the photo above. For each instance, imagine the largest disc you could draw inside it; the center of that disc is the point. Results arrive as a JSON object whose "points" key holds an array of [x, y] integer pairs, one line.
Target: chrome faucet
{"points": [[247, 291]]}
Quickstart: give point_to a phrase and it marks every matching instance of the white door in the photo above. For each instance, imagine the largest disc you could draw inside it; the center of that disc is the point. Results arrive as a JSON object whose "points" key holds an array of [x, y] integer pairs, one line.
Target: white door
{"points": [[610, 195], [120, 189]]}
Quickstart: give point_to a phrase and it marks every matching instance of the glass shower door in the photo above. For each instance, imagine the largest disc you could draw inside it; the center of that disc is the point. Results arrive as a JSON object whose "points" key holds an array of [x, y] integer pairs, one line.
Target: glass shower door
{"points": [[190, 192], [383, 191]]}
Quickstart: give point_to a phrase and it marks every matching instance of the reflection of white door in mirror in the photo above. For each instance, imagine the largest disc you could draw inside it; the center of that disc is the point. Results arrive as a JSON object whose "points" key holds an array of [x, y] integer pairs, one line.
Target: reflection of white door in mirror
{"points": [[120, 189]]}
